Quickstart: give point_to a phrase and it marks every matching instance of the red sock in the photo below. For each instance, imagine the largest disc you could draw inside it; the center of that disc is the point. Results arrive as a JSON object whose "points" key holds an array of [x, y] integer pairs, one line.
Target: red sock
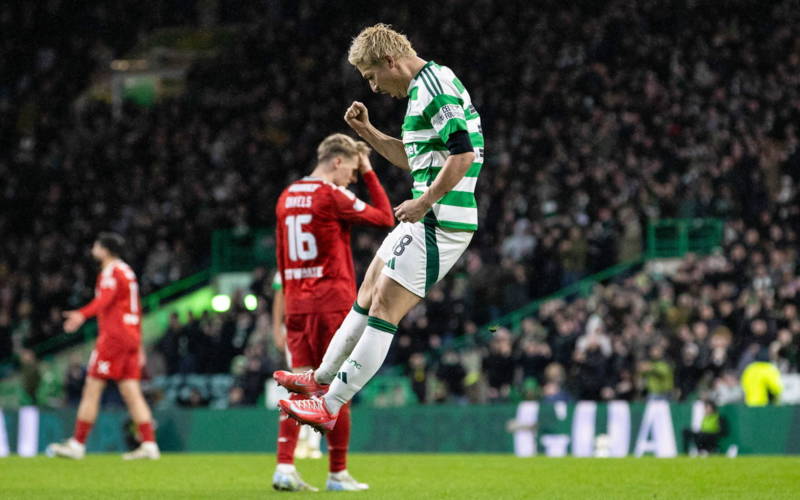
{"points": [[82, 430], [146, 432], [339, 439], [288, 430]]}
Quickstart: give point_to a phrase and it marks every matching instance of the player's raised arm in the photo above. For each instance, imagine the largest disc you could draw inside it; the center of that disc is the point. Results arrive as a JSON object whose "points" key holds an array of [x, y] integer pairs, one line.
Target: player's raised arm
{"points": [[357, 117], [352, 209]]}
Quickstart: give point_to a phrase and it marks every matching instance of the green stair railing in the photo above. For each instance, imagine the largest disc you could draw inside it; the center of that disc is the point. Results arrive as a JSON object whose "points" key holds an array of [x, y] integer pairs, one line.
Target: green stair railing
{"points": [[150, 302], [581, 288]]}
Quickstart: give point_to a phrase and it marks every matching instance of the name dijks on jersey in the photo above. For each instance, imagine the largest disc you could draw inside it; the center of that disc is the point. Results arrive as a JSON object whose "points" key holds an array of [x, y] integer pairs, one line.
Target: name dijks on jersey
{"points": [[298, 202]]}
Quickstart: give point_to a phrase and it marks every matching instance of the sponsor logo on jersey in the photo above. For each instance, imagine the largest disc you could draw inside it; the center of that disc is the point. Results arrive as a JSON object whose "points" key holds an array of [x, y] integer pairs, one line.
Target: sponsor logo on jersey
{"points": [[446, 112], [300, 273]]}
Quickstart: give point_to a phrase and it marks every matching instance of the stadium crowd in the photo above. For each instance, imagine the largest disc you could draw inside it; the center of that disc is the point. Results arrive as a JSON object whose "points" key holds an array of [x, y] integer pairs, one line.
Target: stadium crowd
{"points": [[597, 118]]}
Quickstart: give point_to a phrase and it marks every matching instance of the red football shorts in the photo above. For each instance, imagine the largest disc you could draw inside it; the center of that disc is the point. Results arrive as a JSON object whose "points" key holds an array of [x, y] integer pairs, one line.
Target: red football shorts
{"points": [[121, 365], [308, 336]]}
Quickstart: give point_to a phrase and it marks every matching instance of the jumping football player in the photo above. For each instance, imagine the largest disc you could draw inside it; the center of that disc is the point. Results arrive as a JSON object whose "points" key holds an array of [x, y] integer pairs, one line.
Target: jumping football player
{"points": [[442, 148]]}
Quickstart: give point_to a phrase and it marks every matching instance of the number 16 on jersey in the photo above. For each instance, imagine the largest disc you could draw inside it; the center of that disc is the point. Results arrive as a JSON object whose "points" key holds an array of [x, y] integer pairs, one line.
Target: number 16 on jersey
{"points": [[302, 245]]}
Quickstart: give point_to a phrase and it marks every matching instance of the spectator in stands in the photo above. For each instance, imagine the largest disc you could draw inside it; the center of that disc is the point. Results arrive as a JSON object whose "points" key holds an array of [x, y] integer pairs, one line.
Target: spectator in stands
{"points": [[688, 371], [553, 389], [452, 374], [31, 376], [499, 365], [170, 344], [256, 372], [657, 374], [73, 383], [534, 357], [761, 380], [418, 374]]}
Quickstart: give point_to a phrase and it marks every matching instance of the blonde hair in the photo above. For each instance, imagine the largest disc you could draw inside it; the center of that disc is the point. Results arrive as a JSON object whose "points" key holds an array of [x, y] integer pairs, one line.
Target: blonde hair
{"points": [[376, 42], [340, 145]]}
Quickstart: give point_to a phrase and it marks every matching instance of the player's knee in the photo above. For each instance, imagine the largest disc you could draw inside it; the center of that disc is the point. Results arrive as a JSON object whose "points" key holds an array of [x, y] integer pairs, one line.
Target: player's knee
{"points": [[129, 391], [92, 390]]}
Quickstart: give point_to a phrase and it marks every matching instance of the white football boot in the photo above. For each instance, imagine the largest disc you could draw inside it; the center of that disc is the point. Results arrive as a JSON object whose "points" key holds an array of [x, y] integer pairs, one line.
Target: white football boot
{"points": [[70, 448], [290, 481], [148, 450], [343, 481]]}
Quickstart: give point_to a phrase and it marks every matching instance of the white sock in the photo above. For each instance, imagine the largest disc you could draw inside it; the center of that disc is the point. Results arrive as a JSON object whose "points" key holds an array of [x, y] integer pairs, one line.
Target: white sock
{"points": [[313, 439], [342, 344], [286, 468], [363, 363]]}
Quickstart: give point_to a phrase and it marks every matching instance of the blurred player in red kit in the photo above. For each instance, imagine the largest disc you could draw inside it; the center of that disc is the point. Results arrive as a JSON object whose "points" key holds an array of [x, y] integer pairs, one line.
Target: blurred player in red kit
{"points": [[314, 216], [118, 354]]}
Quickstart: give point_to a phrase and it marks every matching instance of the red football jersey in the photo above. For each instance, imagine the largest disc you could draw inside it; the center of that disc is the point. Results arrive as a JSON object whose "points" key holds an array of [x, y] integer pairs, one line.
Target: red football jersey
{"points": [[313, 241], [117, 307]]}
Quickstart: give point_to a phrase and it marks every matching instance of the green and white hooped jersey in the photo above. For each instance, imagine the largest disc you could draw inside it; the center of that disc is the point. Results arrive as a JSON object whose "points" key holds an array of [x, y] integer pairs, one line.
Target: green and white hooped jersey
{"points": [[438, 105]]}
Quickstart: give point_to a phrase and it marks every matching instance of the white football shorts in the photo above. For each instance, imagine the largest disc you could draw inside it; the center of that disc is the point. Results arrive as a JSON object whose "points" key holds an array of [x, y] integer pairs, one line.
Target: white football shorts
{"points": [[418, 254]]}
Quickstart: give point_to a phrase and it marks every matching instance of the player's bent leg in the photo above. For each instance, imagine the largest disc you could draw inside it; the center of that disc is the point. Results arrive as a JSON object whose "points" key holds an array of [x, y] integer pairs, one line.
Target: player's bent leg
{"points": [[141, 415], [351, 329], [390, 303], [75, 446]]}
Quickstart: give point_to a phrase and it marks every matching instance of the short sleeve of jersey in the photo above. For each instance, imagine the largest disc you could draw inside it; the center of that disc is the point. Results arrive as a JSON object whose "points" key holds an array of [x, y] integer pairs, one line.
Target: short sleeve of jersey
{"points": [[109, 282], [442, 103]]}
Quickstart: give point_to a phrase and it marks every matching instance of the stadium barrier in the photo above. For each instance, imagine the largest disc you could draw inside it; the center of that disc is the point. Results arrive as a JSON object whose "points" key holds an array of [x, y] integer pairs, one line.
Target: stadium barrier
{"points": [[672, 238], [555, 429]]}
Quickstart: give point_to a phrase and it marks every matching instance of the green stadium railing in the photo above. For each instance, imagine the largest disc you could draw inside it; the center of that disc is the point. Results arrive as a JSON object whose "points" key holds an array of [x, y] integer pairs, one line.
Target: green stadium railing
{"points": [[669, 238], [150, 302], [581, 288], [666, 238], [233, 250]]}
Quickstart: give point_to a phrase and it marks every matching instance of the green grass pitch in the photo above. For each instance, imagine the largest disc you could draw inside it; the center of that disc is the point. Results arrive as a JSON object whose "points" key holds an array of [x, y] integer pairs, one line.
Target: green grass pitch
{"points": [[406, 477]]}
